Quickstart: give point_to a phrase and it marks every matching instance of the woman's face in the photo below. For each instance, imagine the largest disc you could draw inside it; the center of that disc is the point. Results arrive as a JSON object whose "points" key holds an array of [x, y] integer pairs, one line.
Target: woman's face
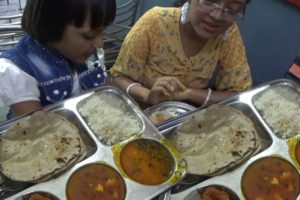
{"points": [[210, 24], [77, 44]]}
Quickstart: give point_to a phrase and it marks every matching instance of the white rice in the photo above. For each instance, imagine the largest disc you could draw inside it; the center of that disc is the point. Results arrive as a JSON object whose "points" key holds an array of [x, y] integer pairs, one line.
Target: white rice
{"points": [[280, 108], [109, 118]]}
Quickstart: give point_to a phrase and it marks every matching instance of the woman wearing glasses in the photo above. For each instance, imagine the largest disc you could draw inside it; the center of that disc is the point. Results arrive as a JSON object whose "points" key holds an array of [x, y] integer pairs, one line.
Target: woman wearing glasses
{"points": [[173, 53]]}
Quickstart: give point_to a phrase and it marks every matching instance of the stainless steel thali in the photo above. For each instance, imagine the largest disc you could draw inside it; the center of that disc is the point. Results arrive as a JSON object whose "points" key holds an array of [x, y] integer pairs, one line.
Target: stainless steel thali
{"points": [[272, 145], [98, 152]]}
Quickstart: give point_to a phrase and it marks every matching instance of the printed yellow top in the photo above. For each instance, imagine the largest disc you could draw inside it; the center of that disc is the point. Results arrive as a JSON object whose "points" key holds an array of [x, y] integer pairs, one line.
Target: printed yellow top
{"points": [[153, 49]]}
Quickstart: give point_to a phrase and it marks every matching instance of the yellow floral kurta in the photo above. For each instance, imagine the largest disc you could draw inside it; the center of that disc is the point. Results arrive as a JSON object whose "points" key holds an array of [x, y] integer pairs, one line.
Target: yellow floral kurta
{"points": [[153, 49]]}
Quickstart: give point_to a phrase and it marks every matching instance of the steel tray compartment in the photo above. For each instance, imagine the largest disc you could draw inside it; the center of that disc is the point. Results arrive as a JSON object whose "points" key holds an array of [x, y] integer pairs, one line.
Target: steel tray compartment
{"points": [[102, 153], [266, 140], [272, 145], [264, 136], [110, 118], [89, 144], [279, 106]]}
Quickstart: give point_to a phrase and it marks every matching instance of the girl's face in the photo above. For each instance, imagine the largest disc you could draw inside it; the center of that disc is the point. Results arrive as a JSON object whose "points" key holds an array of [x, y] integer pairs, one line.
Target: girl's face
{"points": [[207, 23], [77, 44]]}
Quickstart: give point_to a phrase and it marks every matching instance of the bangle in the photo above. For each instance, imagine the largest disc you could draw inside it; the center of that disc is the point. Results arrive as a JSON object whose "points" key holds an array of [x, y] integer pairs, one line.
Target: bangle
{"points": [[207, 98], [130, 86]]}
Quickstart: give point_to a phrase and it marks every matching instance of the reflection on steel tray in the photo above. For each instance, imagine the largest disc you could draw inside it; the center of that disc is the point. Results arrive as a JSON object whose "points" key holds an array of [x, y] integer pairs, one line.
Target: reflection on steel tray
{"points": [[96, 121], [278, 142]]}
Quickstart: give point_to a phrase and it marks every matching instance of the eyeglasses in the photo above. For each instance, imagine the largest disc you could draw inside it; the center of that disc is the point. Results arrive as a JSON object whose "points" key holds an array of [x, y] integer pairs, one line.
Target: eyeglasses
{"points": [[228, 14]]}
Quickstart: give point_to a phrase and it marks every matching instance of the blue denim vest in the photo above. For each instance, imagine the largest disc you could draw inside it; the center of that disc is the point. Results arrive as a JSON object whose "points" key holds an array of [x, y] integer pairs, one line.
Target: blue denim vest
{"points": [[52, 71]]}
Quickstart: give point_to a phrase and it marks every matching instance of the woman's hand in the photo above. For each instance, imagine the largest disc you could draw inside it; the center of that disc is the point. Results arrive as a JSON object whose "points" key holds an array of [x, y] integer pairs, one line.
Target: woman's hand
{"points": [[164, 89]]}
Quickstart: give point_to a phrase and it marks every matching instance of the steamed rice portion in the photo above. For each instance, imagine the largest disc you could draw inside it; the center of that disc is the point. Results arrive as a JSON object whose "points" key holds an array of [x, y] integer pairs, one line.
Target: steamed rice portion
{"points": [[109, 118], [280, 107]]}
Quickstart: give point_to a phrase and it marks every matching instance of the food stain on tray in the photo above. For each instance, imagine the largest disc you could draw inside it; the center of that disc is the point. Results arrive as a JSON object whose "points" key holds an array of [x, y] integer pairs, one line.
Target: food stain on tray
{"points": [[271, 178], [96, 181], [110, 118], [146, 161]]}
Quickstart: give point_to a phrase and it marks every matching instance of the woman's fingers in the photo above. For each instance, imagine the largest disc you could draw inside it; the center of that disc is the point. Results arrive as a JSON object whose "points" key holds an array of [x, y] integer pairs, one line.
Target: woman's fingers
{"points": [[177, 84], [165, 88]]}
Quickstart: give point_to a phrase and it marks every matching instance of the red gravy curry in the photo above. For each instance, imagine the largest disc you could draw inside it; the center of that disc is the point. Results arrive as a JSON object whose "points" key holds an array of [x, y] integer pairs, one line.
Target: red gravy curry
{"points": [[271, 178], [146, 161], [96, 182], [40, 196]]}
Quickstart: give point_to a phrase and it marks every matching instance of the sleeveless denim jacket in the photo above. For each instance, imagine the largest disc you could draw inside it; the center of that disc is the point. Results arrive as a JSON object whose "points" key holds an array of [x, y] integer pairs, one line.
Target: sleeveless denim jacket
{"points": [[52, 71]]}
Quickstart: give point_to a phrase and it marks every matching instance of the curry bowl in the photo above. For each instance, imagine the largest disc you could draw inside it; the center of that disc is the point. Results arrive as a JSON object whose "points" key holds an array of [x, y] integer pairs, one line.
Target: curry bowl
{"points": [[39, 195], [97, 181], [148, 161], [212, 192], [294, 150], [269, 178]]}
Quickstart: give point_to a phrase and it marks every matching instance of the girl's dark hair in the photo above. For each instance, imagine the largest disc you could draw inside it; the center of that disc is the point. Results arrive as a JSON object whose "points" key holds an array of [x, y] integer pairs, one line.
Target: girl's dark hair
{"points": [[46, 20]]}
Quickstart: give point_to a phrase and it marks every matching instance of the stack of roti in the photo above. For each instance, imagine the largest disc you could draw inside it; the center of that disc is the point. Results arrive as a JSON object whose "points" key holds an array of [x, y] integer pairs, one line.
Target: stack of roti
{"points": [[216, 139], [39, 146]]}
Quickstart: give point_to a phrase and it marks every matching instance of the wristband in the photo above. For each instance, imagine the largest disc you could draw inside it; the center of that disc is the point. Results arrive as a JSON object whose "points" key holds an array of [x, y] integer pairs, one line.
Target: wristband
{"points": [[130, 86]]}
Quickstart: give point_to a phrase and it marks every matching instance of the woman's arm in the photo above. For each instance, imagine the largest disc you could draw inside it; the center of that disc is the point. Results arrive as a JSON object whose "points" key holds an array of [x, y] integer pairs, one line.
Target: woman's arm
{"points": [[138, 92], [163, 89], [198, 96]]}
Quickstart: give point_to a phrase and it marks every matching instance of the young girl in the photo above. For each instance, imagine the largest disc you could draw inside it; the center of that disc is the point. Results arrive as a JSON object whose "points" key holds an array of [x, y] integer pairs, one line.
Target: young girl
{"points": [[49, 64], [173, 54]]}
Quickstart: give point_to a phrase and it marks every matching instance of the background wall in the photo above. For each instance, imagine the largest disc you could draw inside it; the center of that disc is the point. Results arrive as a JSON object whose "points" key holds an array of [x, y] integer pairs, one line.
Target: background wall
{"points": [[271, 32]]}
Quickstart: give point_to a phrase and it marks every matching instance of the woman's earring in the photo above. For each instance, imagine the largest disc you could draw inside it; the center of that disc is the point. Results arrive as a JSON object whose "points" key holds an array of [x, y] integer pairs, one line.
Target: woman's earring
{"points": [[226, 33], [184, 13]]}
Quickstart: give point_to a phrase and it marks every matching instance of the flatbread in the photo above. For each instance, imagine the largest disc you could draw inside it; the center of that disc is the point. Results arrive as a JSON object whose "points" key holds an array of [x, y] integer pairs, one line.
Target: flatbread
{"points": [[215, 139], [39, 146]]}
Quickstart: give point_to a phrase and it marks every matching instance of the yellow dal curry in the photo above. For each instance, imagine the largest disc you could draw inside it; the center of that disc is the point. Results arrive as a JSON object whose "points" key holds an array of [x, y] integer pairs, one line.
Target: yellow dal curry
{"points": [[146, 161]]}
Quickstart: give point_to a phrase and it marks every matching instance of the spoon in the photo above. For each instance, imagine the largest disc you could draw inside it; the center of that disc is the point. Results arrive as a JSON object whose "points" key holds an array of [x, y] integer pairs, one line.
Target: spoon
{"points": [[165, 196]]}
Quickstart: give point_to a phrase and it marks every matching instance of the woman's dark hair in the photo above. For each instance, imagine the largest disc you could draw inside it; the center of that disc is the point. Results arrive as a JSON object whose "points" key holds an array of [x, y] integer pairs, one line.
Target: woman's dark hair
{"points": [[180, 3], [46, 20]]}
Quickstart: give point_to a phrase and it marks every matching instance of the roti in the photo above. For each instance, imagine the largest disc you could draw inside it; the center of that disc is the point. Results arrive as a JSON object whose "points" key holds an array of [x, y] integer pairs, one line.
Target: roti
{"points": [[39, 146], [215, 139]]}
